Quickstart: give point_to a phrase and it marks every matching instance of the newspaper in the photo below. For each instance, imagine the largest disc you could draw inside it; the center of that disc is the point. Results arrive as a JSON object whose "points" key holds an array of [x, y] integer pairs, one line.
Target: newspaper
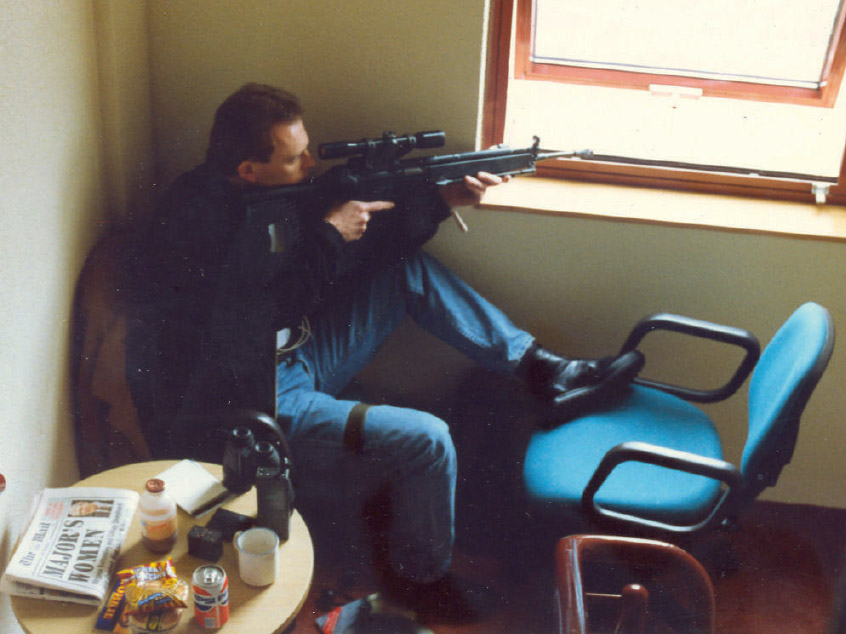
{"points": [[71, 544]]}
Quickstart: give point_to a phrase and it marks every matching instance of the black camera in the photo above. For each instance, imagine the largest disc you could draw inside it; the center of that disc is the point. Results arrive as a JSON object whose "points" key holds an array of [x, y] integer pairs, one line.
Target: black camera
{"points": [[247, 462]]}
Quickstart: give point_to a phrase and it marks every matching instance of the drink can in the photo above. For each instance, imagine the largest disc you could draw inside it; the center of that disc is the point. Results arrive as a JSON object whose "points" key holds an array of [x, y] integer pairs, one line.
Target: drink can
{"points": [[211, 596]]}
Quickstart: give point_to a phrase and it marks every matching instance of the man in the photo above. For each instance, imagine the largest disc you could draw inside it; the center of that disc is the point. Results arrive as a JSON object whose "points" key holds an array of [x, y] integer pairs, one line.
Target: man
{"points": [[330, 280]]}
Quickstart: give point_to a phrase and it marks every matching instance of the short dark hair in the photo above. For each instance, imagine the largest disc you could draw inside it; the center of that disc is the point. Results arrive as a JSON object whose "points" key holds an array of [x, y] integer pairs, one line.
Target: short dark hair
{"points": [[242, 123]]}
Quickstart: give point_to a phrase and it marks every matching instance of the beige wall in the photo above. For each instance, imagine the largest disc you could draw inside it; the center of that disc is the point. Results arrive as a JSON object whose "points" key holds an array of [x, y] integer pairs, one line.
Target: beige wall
{"points": [[360, 67], [76, 150], [51, 184], [124, 93]]}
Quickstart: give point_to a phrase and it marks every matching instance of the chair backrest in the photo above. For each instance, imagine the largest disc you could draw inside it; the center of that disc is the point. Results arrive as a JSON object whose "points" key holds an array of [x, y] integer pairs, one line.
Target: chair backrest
{"points": [[113, 420], [109, 432], [784, 378]]}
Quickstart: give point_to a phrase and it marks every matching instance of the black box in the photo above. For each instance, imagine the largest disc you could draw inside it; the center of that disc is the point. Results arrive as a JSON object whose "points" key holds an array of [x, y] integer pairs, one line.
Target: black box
{"points": [[229, 523], [205, 543]]}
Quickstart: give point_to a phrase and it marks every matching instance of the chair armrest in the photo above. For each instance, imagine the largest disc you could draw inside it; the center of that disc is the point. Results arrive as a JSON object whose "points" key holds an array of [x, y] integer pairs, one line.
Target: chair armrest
{"points": [[704, 330], [672, 459]]}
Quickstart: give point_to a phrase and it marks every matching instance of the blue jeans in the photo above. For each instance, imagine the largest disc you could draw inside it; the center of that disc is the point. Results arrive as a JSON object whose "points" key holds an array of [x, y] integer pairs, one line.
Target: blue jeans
{"points": [[407, 450]]}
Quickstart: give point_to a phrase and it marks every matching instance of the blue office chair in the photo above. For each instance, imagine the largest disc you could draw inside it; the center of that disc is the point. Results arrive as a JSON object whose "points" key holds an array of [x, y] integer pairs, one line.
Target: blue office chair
{"points": [[653, 463]]}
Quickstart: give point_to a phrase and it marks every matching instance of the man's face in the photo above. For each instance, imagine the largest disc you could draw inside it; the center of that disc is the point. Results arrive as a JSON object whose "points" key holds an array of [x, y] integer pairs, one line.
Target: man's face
{"points": [[290, 162]]}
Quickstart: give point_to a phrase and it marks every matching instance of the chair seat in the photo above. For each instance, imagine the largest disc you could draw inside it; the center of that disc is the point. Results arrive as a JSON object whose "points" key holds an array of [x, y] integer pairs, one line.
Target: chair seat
{"points": [[560, 462]]}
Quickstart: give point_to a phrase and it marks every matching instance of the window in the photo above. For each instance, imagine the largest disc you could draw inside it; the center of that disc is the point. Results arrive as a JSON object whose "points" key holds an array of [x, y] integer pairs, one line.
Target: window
{"points": [[671, 94], [778, 50]]}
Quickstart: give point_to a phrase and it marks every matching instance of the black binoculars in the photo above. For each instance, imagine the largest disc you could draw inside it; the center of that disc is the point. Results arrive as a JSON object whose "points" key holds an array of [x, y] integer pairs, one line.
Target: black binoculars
{"points": [[247, 462]]}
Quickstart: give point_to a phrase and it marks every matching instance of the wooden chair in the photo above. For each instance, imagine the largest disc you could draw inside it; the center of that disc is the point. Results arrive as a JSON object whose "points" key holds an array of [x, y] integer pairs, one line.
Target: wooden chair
{"points": [[624, 585]]}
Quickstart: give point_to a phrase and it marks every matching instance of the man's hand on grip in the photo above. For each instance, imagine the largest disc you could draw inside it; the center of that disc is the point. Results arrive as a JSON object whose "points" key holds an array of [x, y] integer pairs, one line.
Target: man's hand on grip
{"points": [[350, 218]]}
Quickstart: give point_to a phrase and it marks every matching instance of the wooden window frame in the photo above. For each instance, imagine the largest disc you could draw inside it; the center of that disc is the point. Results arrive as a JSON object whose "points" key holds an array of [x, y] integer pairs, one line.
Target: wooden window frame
{"points": [[494, 116], [824, 96]]}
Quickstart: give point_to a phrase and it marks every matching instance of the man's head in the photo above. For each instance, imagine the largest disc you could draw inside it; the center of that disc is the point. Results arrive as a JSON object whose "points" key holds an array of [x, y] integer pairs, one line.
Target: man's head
{"points": [[258, 137]]}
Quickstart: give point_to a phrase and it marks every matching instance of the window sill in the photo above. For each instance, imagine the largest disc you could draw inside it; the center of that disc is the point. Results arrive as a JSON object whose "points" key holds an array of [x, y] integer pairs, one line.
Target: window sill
{"points": [[670, 208]]}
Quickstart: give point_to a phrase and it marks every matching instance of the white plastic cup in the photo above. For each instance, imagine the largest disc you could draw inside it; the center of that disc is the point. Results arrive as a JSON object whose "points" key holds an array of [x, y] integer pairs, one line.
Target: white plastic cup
{"points": [[258, 556]]}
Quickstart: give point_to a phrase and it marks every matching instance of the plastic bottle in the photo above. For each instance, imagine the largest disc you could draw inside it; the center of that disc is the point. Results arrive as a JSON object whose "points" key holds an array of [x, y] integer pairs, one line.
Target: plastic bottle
{"points": [[157, 512]]}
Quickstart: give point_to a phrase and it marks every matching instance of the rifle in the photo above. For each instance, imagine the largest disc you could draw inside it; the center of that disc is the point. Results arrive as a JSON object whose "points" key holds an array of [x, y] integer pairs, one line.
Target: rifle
{"points": [[376, 170]]}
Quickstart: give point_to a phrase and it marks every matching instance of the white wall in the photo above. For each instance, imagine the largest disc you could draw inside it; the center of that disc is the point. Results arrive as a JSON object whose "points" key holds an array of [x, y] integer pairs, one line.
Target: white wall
{"points": [[63, 180], [51, 201]]}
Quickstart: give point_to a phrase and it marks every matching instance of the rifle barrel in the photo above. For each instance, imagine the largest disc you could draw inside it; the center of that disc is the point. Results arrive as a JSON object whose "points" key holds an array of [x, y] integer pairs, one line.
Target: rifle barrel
{"points": [[544, 154]]}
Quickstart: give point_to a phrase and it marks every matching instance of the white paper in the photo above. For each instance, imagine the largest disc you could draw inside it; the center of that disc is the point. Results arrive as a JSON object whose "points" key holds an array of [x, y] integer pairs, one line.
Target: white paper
{"points": [[192, 487]]}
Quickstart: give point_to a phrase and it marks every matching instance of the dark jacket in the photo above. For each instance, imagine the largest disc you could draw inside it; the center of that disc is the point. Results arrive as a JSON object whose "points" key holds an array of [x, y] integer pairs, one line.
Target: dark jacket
{"points": [[210, 289]]}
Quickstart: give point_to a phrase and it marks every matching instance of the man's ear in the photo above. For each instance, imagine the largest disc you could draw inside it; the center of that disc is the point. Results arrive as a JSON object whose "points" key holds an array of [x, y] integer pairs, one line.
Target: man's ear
{"points": [[246, 172]]}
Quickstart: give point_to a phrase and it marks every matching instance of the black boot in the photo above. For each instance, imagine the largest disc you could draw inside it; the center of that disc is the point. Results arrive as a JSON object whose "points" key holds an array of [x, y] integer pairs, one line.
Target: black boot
{"points": [[571, 387], [445, 600]]}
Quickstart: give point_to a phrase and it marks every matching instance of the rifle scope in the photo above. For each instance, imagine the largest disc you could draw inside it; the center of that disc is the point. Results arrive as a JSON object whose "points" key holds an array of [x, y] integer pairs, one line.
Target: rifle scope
{"points": [[389, 143]]}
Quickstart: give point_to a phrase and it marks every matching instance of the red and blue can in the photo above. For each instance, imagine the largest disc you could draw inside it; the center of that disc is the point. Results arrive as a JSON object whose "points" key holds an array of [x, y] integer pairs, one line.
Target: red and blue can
{"points": [[211, 596]]}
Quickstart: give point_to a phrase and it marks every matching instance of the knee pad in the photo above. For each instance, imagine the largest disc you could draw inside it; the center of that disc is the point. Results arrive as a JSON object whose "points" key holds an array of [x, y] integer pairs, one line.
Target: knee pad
{"points": [[354, 428]]}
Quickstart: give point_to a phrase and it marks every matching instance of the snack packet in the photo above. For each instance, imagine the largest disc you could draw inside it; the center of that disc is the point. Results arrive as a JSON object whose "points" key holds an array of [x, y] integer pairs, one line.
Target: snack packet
{"points": [[110, 615], [149, 572], [155, 621], [153, 587]]}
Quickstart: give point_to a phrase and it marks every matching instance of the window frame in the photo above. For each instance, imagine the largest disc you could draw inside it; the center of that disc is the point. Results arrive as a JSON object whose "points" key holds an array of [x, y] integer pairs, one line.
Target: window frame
{"points": [[499, 68], [824, 96]]}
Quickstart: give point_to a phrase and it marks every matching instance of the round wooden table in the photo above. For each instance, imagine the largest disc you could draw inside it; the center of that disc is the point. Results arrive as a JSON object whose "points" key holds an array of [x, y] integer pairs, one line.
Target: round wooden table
{"points": [[256, 610]]}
